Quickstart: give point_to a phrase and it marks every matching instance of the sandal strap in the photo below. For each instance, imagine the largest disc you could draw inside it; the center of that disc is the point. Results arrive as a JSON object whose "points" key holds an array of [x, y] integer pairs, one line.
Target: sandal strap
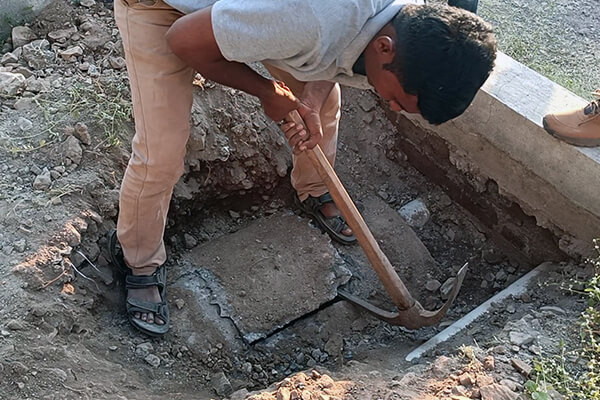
{"points": [[137, 305], [158, 278], [337, 223], [325, 198]]}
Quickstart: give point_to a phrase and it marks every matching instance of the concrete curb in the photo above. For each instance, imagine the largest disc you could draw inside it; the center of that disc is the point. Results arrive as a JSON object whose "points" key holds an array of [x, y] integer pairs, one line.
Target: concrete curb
{"points": [[501, 137]]}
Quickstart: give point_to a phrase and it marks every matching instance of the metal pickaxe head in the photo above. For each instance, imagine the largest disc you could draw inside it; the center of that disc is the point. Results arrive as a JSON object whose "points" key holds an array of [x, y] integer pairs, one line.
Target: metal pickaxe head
{"points": [[414, 317]]}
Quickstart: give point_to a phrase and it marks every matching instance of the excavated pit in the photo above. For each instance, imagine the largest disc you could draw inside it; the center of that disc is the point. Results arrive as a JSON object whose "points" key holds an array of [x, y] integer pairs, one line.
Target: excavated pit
{"points": [[255, 284]]}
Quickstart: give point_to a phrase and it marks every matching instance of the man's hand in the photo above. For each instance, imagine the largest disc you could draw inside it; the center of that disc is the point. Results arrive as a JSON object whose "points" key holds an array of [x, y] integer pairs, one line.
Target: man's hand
{"points": [[279, 102], [308, 134]]}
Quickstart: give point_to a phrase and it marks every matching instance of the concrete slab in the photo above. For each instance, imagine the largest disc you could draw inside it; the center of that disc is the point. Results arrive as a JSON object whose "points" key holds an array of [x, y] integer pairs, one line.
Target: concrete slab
{"points": [[501, 137], [266, 275], [403, 248]]}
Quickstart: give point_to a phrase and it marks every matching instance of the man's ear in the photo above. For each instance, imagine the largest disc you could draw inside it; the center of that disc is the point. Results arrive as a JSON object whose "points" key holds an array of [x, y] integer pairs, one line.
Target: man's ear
{"points": [[384, 48]]}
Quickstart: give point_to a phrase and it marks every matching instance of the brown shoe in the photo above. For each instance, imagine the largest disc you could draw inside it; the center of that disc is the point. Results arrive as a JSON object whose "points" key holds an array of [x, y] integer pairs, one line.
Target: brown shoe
{"points": [[580, 127]]}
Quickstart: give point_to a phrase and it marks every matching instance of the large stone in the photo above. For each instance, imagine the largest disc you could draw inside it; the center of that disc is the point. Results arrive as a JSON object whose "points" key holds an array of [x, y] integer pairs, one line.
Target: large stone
{"points": [[61, 35], [403, 248], [497, 392], [415, 213], [37, 54], [21, 35], [71, 53], [221, 384], [11, 84], [9, 58], [43, 180], [266, 275], [72, 149], [520, 338]]}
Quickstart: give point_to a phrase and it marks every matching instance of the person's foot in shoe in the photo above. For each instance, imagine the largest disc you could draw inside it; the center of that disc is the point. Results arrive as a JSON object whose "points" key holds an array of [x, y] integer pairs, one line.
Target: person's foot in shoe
{"points": [[580, 127], [469, 5]]}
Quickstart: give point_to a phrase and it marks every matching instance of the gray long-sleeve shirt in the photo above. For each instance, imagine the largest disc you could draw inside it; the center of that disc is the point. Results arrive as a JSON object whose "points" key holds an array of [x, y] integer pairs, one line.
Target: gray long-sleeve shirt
{"points": [[310, 39]]}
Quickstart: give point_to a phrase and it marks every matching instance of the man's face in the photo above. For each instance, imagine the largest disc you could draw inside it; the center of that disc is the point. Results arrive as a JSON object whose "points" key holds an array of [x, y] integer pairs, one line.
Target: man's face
{"points": [[379, 53], [388, 86]]}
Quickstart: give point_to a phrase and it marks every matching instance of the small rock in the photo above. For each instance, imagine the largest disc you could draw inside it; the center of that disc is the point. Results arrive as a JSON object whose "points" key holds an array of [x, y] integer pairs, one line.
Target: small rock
{"points": [[415, 213], [521, 366], [489, 363], [20, 245], [112, 348], [86, 26], [554, 310], [88, 3], [466, 379], [43, 180], [21, 35], [526, 298], [9, 58], [234, 214], [71, 53], [143, 349], [23, 103], [61, 35], [15, 325], [535, 350], [82, 133], [190, 241], [446, 288], [221, 384], [179, 303], [511, 309], [72, 150], [37, 55], [497, 392], [433, 285], [501, 276], [520, 338], [11, 84], [20, 385], [24, 124], [152, 360], [35, 169], [239, 395], [117, 62]]}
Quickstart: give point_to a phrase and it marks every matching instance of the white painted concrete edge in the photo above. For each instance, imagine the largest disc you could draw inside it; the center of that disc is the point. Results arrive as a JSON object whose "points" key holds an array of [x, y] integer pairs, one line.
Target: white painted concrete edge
{"points": [[515, 289], [506, 118]]}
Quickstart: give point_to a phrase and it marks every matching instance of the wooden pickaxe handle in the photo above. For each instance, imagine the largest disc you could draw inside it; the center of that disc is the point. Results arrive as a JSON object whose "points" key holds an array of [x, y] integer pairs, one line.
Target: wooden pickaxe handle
{"points": [[380, 263]]}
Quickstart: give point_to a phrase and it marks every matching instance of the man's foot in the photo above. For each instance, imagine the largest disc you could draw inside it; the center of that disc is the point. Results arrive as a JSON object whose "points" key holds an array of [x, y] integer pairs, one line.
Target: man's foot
{"points": [[580, 127], [149, 294], [146, 294], [326, 214]]}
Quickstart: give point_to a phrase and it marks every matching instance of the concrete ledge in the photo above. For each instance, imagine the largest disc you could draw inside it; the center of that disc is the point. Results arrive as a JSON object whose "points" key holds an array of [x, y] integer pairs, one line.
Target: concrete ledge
{"points": [[500, 137]]}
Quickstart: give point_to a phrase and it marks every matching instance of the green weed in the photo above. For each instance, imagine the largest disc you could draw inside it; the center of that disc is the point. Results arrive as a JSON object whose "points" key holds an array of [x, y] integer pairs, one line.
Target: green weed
{"points": [[578, 380]]}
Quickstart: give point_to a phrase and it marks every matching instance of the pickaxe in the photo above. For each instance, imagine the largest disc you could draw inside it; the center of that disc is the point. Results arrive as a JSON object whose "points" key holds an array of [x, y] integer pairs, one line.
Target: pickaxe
{"points": [[410, 313]]}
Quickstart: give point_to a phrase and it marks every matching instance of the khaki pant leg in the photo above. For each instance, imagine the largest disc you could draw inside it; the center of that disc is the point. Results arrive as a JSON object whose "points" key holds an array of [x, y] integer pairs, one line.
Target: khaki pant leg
{"points": [[161, 89], [305, 178]]}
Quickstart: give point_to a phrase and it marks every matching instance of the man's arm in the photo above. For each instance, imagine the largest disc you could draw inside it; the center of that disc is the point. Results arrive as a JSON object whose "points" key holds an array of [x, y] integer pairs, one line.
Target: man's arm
{"points": [[192, 39]]}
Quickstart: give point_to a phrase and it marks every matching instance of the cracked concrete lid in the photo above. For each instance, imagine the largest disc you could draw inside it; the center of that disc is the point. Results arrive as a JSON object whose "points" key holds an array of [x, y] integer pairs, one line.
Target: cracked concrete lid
{"points": [[268, 274]]}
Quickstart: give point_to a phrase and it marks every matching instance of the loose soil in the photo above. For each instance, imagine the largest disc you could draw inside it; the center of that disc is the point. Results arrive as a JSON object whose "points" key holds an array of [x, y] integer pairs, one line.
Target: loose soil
{"points": [[64, 333]]}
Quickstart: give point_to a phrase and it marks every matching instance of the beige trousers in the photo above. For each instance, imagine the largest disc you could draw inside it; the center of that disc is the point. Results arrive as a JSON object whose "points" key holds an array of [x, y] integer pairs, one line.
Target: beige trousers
{"points": [[161, 91]]}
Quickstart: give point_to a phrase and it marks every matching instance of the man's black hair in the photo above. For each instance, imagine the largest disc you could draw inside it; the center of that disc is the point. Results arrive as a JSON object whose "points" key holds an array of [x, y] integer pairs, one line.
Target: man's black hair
{"points": [[443, 55]]}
